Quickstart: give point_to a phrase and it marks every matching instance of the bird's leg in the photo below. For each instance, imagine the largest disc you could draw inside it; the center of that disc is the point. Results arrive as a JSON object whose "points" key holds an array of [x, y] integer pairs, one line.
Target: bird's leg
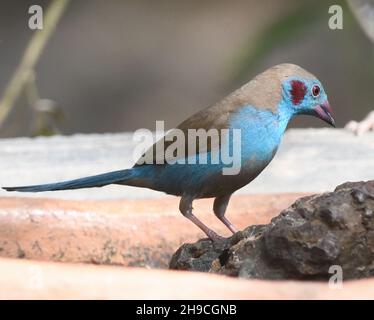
{"points": [[185, 207], [219, 208]]}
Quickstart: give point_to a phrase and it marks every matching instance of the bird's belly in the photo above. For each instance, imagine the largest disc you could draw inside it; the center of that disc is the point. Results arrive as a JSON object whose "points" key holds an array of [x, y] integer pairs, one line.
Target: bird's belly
{"points": [[221, 184]]}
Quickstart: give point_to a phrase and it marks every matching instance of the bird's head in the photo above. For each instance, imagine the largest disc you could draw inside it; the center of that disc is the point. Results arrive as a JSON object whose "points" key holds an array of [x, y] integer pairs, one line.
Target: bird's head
{"points": [[286, 89], [304, 94]]}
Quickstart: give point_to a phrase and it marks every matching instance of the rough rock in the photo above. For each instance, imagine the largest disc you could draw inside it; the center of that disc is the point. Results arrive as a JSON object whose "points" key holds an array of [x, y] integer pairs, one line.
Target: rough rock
{"points": [[302, 242]]}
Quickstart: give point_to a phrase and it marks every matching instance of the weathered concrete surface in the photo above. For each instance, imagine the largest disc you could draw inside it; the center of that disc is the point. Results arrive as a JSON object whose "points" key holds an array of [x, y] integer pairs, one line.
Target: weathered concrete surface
{"points": [[21, 279], [119, 232], [309, 160], [302, 242]]}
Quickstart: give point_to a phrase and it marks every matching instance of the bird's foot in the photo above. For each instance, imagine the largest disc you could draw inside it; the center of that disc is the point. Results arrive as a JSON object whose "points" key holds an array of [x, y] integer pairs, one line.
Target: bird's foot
{"points": [[363, 126]]}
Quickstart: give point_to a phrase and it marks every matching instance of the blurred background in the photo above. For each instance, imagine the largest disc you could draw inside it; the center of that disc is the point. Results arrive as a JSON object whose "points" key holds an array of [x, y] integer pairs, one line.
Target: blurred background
{"points": [[113, 66]]}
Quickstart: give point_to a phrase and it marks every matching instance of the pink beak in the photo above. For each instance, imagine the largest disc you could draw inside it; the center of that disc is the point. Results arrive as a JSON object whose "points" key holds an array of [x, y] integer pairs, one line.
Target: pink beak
{"points": [[324, 112]]}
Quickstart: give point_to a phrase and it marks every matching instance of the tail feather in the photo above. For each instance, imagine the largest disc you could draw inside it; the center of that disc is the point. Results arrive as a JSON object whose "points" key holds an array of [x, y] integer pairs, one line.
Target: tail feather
{"points": [[87, 182]]}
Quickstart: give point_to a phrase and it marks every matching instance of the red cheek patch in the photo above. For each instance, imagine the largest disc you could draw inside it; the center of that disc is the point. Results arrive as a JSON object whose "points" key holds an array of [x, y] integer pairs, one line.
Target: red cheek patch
{"points": [[298, 91]]}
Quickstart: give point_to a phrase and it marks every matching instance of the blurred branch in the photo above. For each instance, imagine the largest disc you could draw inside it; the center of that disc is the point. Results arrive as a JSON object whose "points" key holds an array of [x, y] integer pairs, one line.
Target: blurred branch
{"points": [[25, 69]]}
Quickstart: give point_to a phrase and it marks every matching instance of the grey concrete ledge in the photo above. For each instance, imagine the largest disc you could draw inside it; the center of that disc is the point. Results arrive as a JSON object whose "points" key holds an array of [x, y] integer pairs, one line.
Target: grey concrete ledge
{"points": [[308, 160]]}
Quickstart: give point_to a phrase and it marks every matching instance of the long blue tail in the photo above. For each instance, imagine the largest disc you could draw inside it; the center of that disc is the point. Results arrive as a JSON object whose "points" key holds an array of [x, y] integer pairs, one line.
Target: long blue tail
{"points": [[88, 182]]}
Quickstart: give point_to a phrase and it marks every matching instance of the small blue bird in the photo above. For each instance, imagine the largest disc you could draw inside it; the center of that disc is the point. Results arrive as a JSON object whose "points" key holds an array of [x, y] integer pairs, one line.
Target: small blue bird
{"points": [[260, 110]]}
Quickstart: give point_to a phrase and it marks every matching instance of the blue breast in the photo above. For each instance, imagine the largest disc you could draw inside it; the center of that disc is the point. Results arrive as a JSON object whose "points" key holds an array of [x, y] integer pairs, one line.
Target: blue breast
{"points": [[261, 132]]}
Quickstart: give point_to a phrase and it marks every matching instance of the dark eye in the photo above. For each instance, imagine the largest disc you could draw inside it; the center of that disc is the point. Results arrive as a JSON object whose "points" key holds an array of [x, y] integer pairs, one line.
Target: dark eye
{"points": [[316, 90]]}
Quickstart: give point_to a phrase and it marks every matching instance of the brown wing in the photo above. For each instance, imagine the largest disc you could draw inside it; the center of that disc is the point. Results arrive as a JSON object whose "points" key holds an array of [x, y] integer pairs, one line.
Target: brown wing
{"points": [[207, 119]]}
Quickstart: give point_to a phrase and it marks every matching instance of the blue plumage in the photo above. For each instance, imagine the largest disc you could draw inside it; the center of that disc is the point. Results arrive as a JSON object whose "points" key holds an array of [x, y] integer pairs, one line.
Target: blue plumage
{"points": [[87, 182], [260, 111]]}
